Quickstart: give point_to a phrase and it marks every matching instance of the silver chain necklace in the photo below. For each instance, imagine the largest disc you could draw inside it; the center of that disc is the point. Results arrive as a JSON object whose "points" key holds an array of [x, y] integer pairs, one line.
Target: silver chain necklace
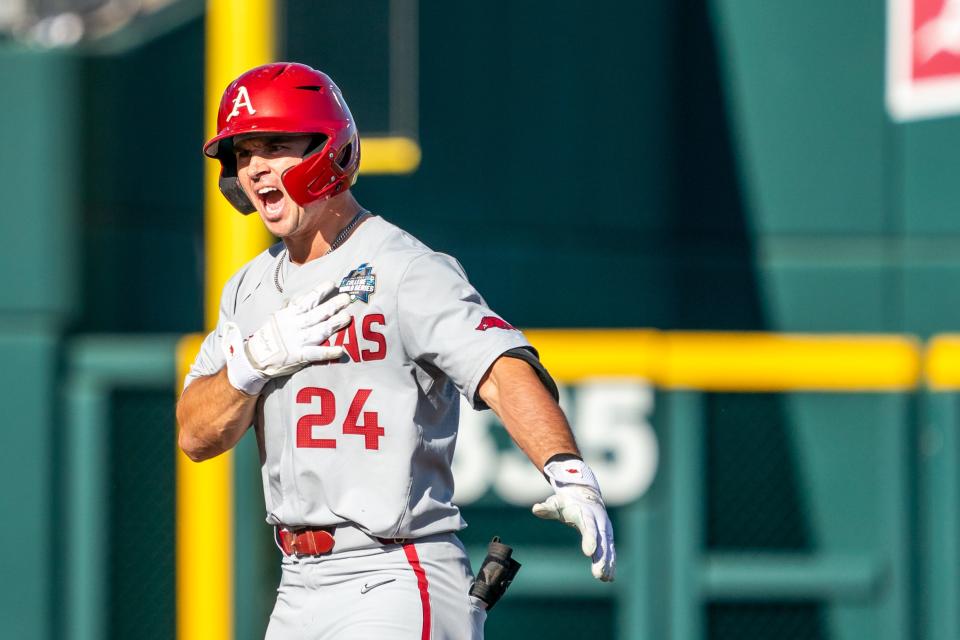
{"points": [[341, 237]]}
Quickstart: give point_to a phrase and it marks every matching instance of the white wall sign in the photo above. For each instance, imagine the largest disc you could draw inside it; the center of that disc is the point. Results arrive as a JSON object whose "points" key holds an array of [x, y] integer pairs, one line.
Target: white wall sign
{"points": [[923, 58], [611, 421]]}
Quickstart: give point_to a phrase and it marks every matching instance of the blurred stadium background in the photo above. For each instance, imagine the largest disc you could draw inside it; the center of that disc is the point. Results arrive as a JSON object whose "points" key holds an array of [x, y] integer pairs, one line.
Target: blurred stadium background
{"points": [[684, 166]]}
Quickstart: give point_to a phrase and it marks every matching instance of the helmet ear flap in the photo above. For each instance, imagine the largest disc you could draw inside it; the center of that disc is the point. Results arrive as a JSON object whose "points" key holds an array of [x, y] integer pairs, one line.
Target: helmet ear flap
{"points": [[230, 185], [233, 192]]}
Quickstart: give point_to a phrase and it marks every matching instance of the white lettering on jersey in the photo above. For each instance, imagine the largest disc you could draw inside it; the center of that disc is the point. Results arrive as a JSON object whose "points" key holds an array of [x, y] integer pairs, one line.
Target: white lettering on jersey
{"points": [[242, 100]]}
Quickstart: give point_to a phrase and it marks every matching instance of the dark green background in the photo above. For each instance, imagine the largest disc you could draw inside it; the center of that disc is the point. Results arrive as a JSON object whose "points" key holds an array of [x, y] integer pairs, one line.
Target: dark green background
{"points": [[694, 164]]}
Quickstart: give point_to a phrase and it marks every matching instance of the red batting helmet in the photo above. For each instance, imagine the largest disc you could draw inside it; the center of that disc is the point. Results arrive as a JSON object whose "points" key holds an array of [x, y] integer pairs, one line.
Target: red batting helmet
{"points": [[288, 98]]}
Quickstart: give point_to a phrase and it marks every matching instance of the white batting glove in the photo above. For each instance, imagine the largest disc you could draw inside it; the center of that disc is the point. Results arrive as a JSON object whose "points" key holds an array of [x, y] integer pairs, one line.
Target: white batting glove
{"points": [[288, 341], [577, 502]]}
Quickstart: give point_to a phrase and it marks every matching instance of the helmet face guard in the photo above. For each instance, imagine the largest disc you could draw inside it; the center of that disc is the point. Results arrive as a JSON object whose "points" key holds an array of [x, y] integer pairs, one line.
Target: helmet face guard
{"points": [[288, 99]]}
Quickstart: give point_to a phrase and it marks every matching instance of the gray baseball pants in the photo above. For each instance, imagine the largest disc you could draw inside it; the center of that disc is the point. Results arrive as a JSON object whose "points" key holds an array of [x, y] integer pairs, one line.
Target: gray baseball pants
{"points": [[411, 591]]}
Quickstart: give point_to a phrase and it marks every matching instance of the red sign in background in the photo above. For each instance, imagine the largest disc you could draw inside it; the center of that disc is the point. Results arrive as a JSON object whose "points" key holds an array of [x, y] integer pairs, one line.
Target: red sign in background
{"points": [[936, 39]]}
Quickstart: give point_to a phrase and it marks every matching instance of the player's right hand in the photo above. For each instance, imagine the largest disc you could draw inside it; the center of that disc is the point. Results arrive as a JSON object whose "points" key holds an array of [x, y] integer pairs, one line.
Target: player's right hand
{"points": [[289, 340]]}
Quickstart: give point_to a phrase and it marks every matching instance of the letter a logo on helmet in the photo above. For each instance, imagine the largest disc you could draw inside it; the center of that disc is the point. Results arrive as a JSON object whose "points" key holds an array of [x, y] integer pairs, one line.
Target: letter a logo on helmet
{"points": [[290, 99], [242, 100]]}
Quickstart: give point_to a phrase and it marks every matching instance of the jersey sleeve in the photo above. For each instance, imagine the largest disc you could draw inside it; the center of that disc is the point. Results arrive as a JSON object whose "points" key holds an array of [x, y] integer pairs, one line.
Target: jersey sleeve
{"points": [[447, 325], [210, 358]]}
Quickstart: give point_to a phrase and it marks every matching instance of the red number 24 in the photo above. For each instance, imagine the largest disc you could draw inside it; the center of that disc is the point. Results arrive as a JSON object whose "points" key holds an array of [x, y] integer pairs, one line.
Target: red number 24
{"points": [[370, 428]]}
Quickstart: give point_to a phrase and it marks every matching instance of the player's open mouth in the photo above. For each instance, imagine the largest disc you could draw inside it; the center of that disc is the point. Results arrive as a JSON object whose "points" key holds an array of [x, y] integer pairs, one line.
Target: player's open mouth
{"points": [[272, 200]]}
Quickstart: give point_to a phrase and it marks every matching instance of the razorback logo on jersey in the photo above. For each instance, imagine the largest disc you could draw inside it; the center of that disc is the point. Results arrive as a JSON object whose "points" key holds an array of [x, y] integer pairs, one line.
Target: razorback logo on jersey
{"points": [[493, 322], [359, 283]]}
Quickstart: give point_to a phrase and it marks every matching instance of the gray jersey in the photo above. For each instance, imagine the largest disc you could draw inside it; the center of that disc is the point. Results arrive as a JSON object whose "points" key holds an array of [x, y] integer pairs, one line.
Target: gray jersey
{"points": [[369, 439]]}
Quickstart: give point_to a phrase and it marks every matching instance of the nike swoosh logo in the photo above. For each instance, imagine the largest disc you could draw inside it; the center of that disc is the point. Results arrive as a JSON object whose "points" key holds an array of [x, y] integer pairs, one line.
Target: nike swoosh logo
{"points": [[368, 587]]}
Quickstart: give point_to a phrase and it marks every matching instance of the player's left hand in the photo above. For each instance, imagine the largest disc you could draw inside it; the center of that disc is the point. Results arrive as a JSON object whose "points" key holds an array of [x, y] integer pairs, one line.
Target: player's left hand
{"points": [[577, 502]]}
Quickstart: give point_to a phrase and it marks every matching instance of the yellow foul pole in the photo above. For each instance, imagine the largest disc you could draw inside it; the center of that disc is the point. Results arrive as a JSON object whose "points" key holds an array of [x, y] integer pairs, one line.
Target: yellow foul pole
{"points": [[239, 35]]}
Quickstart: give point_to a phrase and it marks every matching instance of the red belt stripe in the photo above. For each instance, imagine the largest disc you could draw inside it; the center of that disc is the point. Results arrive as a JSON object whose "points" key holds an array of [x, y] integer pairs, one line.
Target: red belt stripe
{"points": [[414, 560]]}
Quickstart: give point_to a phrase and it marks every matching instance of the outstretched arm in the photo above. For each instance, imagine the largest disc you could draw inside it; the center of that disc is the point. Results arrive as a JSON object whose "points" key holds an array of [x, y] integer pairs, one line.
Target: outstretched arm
{"points": [[536, 423], [530, 414]]}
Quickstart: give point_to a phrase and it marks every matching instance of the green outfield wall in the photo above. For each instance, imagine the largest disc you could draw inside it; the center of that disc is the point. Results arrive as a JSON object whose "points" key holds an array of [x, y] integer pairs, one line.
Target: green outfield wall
{"points": [[40, 298]]}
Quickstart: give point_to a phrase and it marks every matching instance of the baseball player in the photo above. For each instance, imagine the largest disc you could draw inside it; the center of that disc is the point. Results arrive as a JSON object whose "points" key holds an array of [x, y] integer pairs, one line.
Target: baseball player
{"points": [[345, 346]]}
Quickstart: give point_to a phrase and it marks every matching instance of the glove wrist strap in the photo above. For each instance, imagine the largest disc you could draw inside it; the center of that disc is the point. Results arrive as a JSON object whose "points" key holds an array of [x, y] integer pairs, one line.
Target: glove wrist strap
{"points": [[562, 473], [240, 372], [561, 457]]}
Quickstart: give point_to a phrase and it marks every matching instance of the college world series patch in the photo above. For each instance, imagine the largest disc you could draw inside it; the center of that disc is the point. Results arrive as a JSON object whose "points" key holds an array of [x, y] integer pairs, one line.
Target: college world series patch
{"points": [[359, 283]]}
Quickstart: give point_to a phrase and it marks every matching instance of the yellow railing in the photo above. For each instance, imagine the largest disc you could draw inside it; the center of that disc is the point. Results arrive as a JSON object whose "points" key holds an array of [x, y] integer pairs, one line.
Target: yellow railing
{"points": [[942, 362], [709, 361], [718, 361], [388, 155]]}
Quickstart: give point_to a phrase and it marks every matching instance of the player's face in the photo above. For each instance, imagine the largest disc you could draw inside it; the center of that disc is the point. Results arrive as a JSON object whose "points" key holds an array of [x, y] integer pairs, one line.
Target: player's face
{"points": [[261, 162]]}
